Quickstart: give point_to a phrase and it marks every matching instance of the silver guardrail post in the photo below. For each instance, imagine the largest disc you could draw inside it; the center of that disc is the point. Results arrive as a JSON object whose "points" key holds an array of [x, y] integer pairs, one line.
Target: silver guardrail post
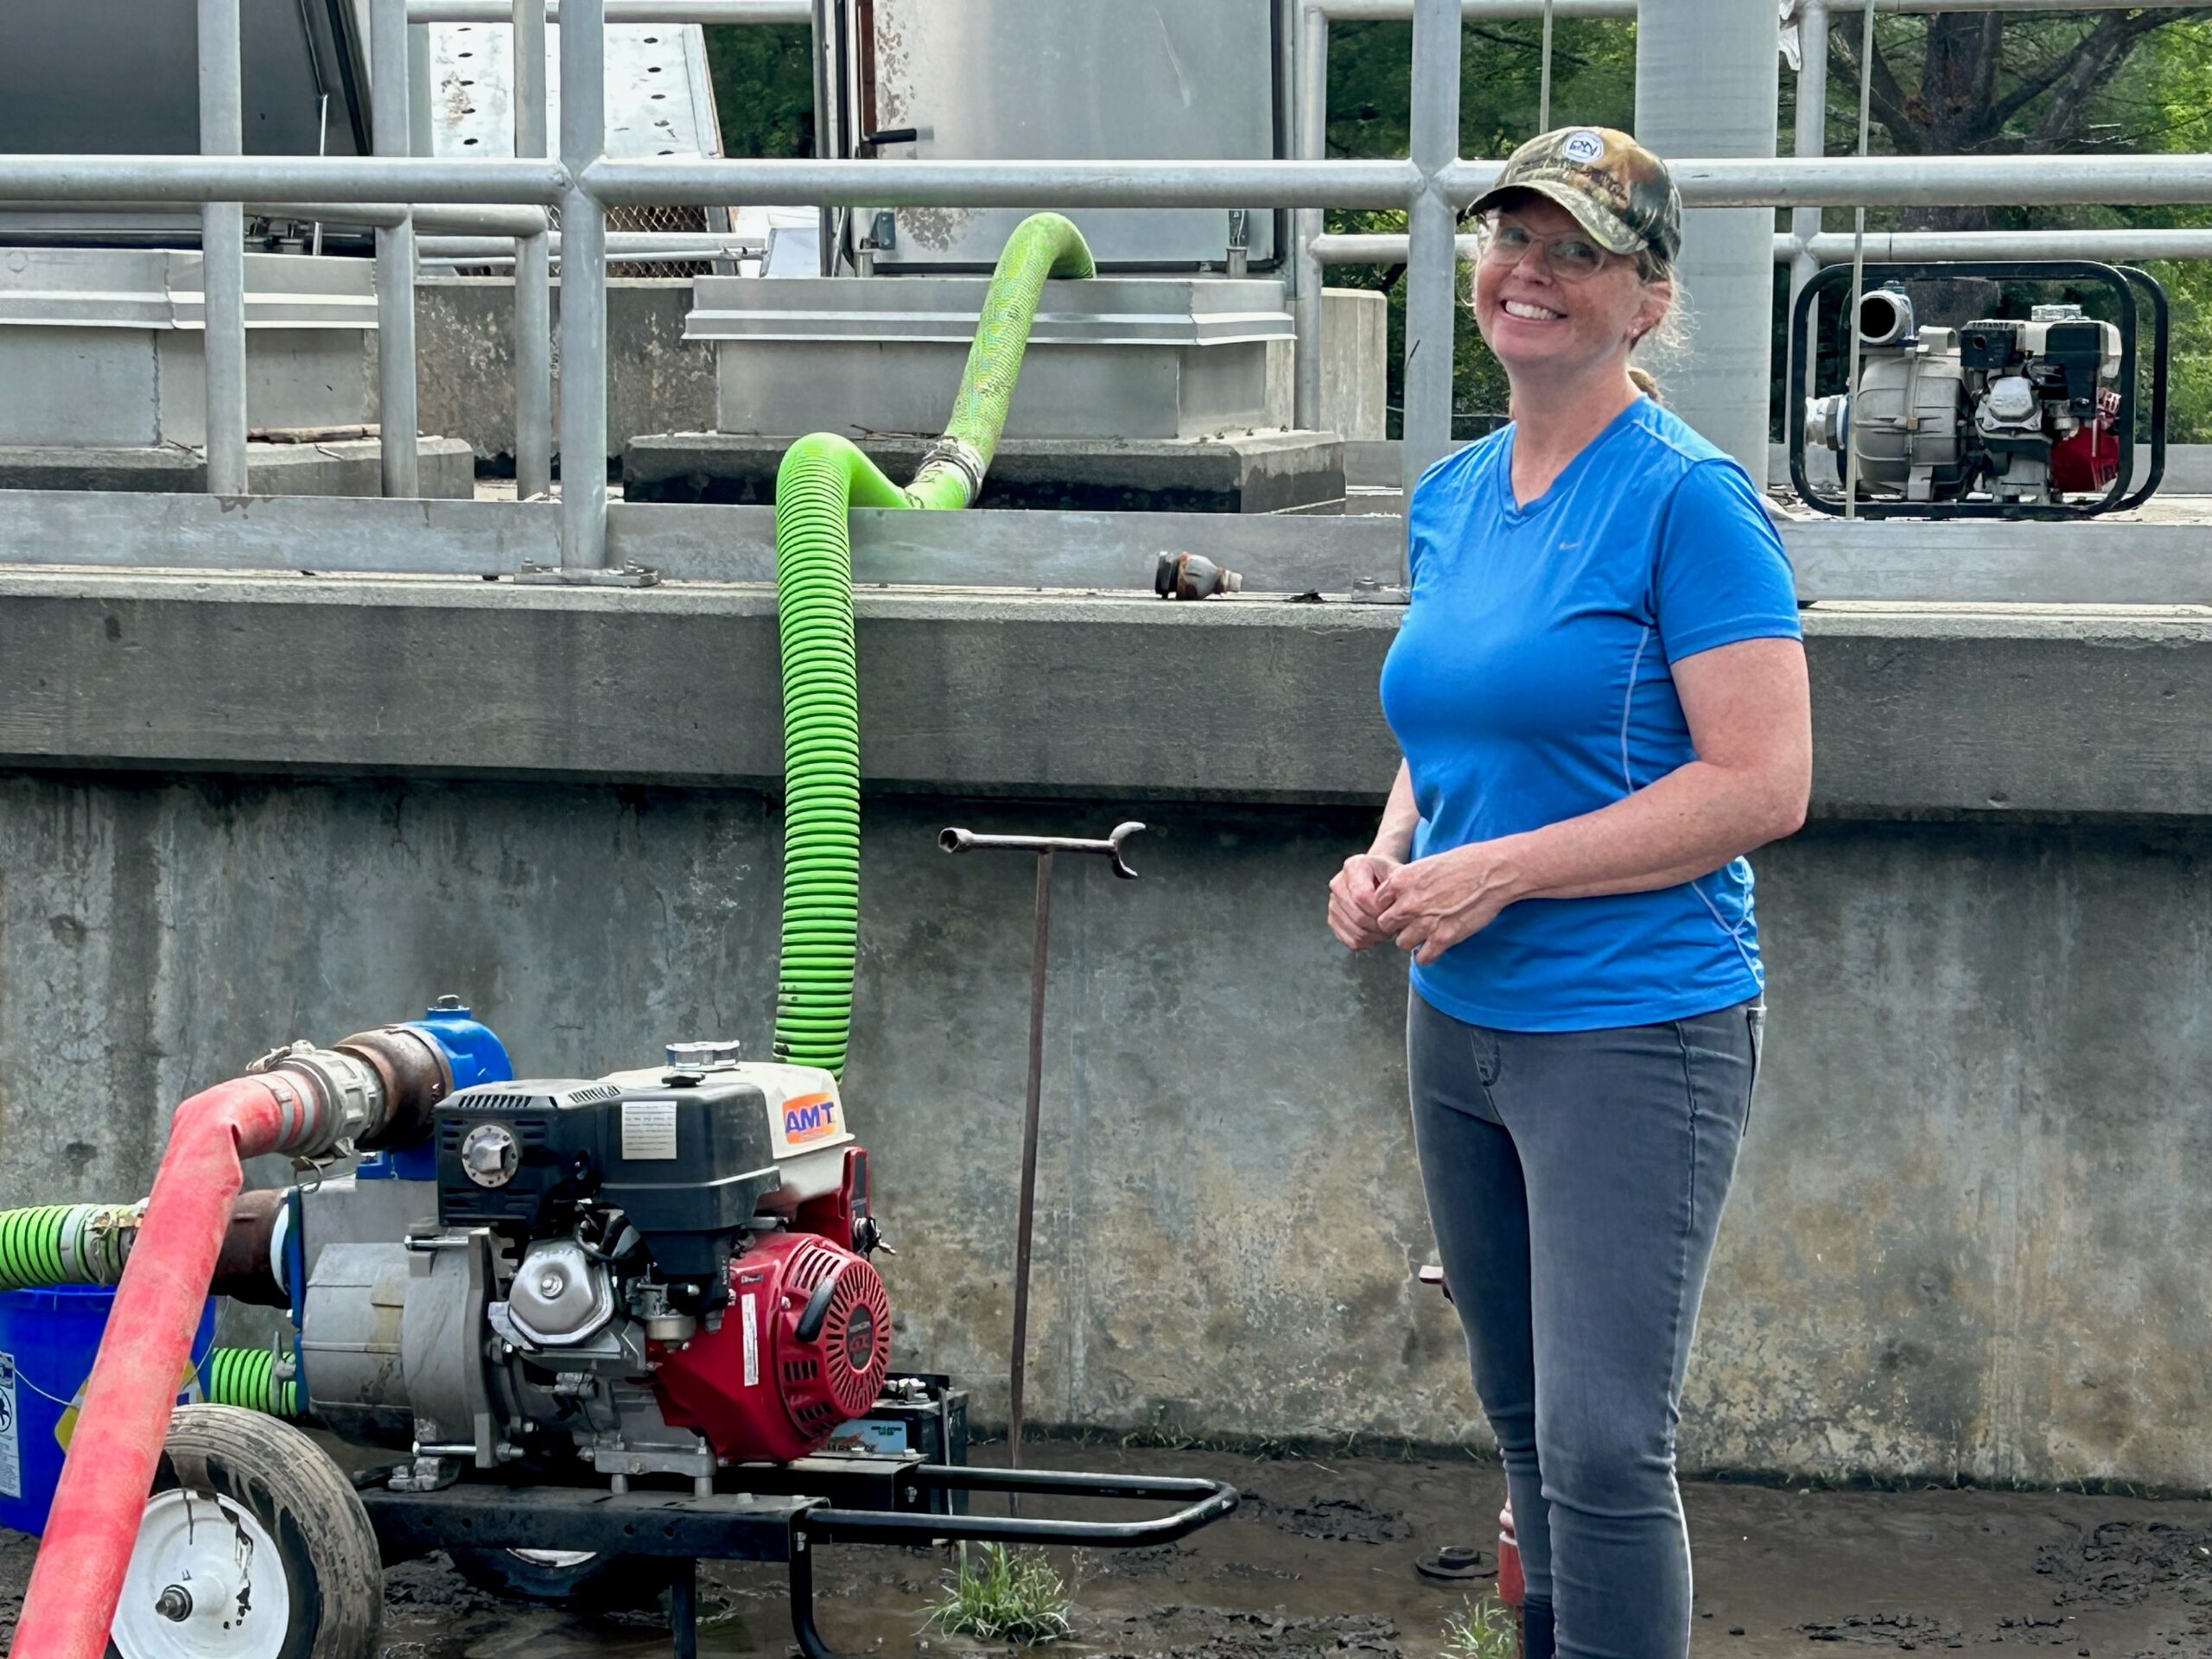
{"points": [[533, 271], [390, 129], [1307, 222], [583, 290], [222, 251], [1432, 263], [1812, 140]]}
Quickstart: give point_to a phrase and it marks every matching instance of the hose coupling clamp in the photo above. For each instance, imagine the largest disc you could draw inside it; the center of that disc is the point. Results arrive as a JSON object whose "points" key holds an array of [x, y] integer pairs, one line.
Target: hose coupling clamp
{"points": [[960, 455], [348, 1090]]}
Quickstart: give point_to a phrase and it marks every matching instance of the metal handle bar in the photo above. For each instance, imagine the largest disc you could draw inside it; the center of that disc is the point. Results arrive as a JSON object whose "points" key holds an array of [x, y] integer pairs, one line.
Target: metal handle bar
{"points": [[1215, 1498], [967, 840]]}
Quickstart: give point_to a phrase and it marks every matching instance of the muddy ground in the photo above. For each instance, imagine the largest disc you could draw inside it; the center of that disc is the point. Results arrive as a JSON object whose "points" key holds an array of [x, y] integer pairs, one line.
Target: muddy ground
{"points": [[1320, 1561]]}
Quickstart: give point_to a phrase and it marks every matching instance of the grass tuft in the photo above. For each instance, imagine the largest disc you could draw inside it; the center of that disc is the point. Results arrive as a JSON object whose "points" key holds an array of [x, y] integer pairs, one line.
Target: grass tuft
{"points": [[1483, 1629], [1001, 1595]]}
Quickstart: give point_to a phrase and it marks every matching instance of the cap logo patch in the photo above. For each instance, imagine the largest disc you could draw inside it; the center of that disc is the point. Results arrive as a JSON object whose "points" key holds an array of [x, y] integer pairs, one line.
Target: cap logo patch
{"points": [[1584, 147]]}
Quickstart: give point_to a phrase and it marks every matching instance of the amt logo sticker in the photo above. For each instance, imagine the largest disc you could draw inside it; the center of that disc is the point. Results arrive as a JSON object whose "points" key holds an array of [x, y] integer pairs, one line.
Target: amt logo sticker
{"points": [[810, 1117]]}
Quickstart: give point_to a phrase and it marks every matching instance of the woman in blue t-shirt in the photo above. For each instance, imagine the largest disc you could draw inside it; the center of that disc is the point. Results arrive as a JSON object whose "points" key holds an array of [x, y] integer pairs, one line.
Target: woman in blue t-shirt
{"points": [[1599, 692]]}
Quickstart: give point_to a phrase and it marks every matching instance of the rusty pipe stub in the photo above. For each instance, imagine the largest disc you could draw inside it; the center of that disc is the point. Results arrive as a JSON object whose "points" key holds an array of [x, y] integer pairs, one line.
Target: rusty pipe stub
{"points": [[1192, 575], [416, 1075], [245, 1268]]}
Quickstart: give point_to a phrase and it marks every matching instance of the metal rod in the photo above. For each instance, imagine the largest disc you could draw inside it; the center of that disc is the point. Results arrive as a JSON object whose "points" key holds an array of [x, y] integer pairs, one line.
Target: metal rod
{"points": [[481, 220], [783, 13], [1880, 180], [2132, 245], [1858, 260], [1044, 846], [422, 138], [1002, 184], [1544, 87], [1432, 263], [1474, 11], [829, 99], [1382, 249], [620, 245], [1811, 141], [1025, 1221], [1113, 847], [1833, 247], [583, 292], [1500, 11], [1927, 181], [395, 275], [684, 1610], [533, 270], [280, 178], [1308, 223], [222, 252]]}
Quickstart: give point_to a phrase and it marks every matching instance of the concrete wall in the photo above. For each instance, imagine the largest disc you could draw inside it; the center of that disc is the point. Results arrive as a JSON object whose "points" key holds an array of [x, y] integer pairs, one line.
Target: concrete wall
{"points": [[1355, 362], [1967, 1235], [657, 382]]}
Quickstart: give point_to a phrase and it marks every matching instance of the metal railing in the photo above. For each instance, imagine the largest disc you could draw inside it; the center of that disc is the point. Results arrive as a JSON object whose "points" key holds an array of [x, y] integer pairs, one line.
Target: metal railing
{"points": [[1315, 250], [397, 192]]}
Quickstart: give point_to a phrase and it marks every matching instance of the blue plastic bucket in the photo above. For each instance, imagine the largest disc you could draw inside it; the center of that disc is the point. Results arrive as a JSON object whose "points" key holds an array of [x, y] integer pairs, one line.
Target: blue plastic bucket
{"points": [[49, 1340]]}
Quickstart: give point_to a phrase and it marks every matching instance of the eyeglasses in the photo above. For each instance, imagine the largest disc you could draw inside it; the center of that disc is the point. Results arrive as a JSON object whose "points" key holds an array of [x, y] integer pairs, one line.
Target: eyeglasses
{"points": [[1570, 255]]}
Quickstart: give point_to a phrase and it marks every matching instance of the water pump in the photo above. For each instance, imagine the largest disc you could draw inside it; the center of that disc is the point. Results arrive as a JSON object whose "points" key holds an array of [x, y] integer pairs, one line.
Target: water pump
{"points": [[661, 1272], [2009, 417]]}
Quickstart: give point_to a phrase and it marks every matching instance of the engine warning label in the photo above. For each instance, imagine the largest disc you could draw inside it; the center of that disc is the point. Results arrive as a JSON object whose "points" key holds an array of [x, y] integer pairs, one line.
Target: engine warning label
{"points": [[11, 1460], [752, 1306], [649, 1128]]}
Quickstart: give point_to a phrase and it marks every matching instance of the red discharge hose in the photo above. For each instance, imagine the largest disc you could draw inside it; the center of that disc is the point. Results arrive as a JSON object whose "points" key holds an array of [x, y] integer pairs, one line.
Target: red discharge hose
{"points": [[125, 1417]]}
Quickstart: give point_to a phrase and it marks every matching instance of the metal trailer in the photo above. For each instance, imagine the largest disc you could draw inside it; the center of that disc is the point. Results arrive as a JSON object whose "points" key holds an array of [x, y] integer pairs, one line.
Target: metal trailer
{"points": [[792, 1510]]}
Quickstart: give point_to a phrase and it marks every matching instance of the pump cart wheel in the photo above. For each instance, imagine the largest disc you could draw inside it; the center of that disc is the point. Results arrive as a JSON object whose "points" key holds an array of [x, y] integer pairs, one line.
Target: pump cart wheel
{"points": [[254, 1546], [597, 1579]]}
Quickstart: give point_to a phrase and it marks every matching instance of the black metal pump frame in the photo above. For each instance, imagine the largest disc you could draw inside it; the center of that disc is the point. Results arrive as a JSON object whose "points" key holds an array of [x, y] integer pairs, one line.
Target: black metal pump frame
{"points": [[2133, 287], [783, 1517]]}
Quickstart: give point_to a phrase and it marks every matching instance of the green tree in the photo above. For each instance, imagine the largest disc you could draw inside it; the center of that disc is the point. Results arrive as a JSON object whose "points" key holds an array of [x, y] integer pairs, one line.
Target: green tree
{"points": [[764, 89], [1371, 89], [2113, 82]]}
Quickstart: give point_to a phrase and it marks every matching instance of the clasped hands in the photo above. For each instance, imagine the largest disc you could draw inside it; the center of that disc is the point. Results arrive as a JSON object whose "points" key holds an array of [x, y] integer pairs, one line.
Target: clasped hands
{"points": [[1425, 906]]}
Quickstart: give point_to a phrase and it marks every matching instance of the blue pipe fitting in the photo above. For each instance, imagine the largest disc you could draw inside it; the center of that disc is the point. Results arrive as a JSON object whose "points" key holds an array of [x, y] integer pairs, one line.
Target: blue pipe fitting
{"points": [[476, 1054]]}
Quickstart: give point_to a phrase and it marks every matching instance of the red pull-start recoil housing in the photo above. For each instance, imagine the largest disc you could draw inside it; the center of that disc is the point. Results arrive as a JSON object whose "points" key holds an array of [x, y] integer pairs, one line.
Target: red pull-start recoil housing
{"points": [[805, 1346]]}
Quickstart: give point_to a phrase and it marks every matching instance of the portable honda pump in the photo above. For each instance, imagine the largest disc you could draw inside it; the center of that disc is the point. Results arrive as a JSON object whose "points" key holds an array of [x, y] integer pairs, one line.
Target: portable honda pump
{"points": [[658, 1272], [2034, 416]]}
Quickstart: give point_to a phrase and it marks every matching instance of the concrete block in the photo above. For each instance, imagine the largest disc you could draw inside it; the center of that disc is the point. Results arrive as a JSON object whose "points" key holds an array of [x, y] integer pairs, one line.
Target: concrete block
{"points": [[352, 466], [1354, 363], [2056, 713], [1117, 357], [1264, 473], [105, 345], [657, 381]]}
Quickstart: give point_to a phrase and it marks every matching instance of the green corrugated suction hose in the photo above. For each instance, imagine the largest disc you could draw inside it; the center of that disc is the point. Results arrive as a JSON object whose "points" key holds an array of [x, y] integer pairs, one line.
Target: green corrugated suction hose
{"points": [[247, 1377], [821, 478], [66, 1244], [87, 1244]]}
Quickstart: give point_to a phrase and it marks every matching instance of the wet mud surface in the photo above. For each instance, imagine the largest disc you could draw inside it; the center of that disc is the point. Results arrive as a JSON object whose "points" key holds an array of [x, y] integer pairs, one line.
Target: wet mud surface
{"points": [[1320, 1561]]}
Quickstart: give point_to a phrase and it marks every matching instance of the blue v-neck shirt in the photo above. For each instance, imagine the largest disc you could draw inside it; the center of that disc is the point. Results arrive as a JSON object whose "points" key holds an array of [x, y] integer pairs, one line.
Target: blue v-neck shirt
{"points": [[1531, 681]]}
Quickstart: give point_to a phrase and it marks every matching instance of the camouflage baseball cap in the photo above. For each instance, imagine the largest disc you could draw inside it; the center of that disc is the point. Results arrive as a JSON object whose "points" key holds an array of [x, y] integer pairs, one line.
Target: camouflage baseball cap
{"points": [[1617, 190]]}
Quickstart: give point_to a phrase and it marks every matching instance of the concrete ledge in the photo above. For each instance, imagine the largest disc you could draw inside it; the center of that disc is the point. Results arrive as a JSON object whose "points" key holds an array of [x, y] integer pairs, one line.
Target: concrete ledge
{"points": [[351, 467], [1918, 711], [1261, 472]]}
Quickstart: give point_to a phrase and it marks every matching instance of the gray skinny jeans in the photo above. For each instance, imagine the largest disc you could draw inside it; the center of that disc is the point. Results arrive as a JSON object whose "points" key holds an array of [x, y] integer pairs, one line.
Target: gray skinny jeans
{"points": [[1575, 1180]]}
